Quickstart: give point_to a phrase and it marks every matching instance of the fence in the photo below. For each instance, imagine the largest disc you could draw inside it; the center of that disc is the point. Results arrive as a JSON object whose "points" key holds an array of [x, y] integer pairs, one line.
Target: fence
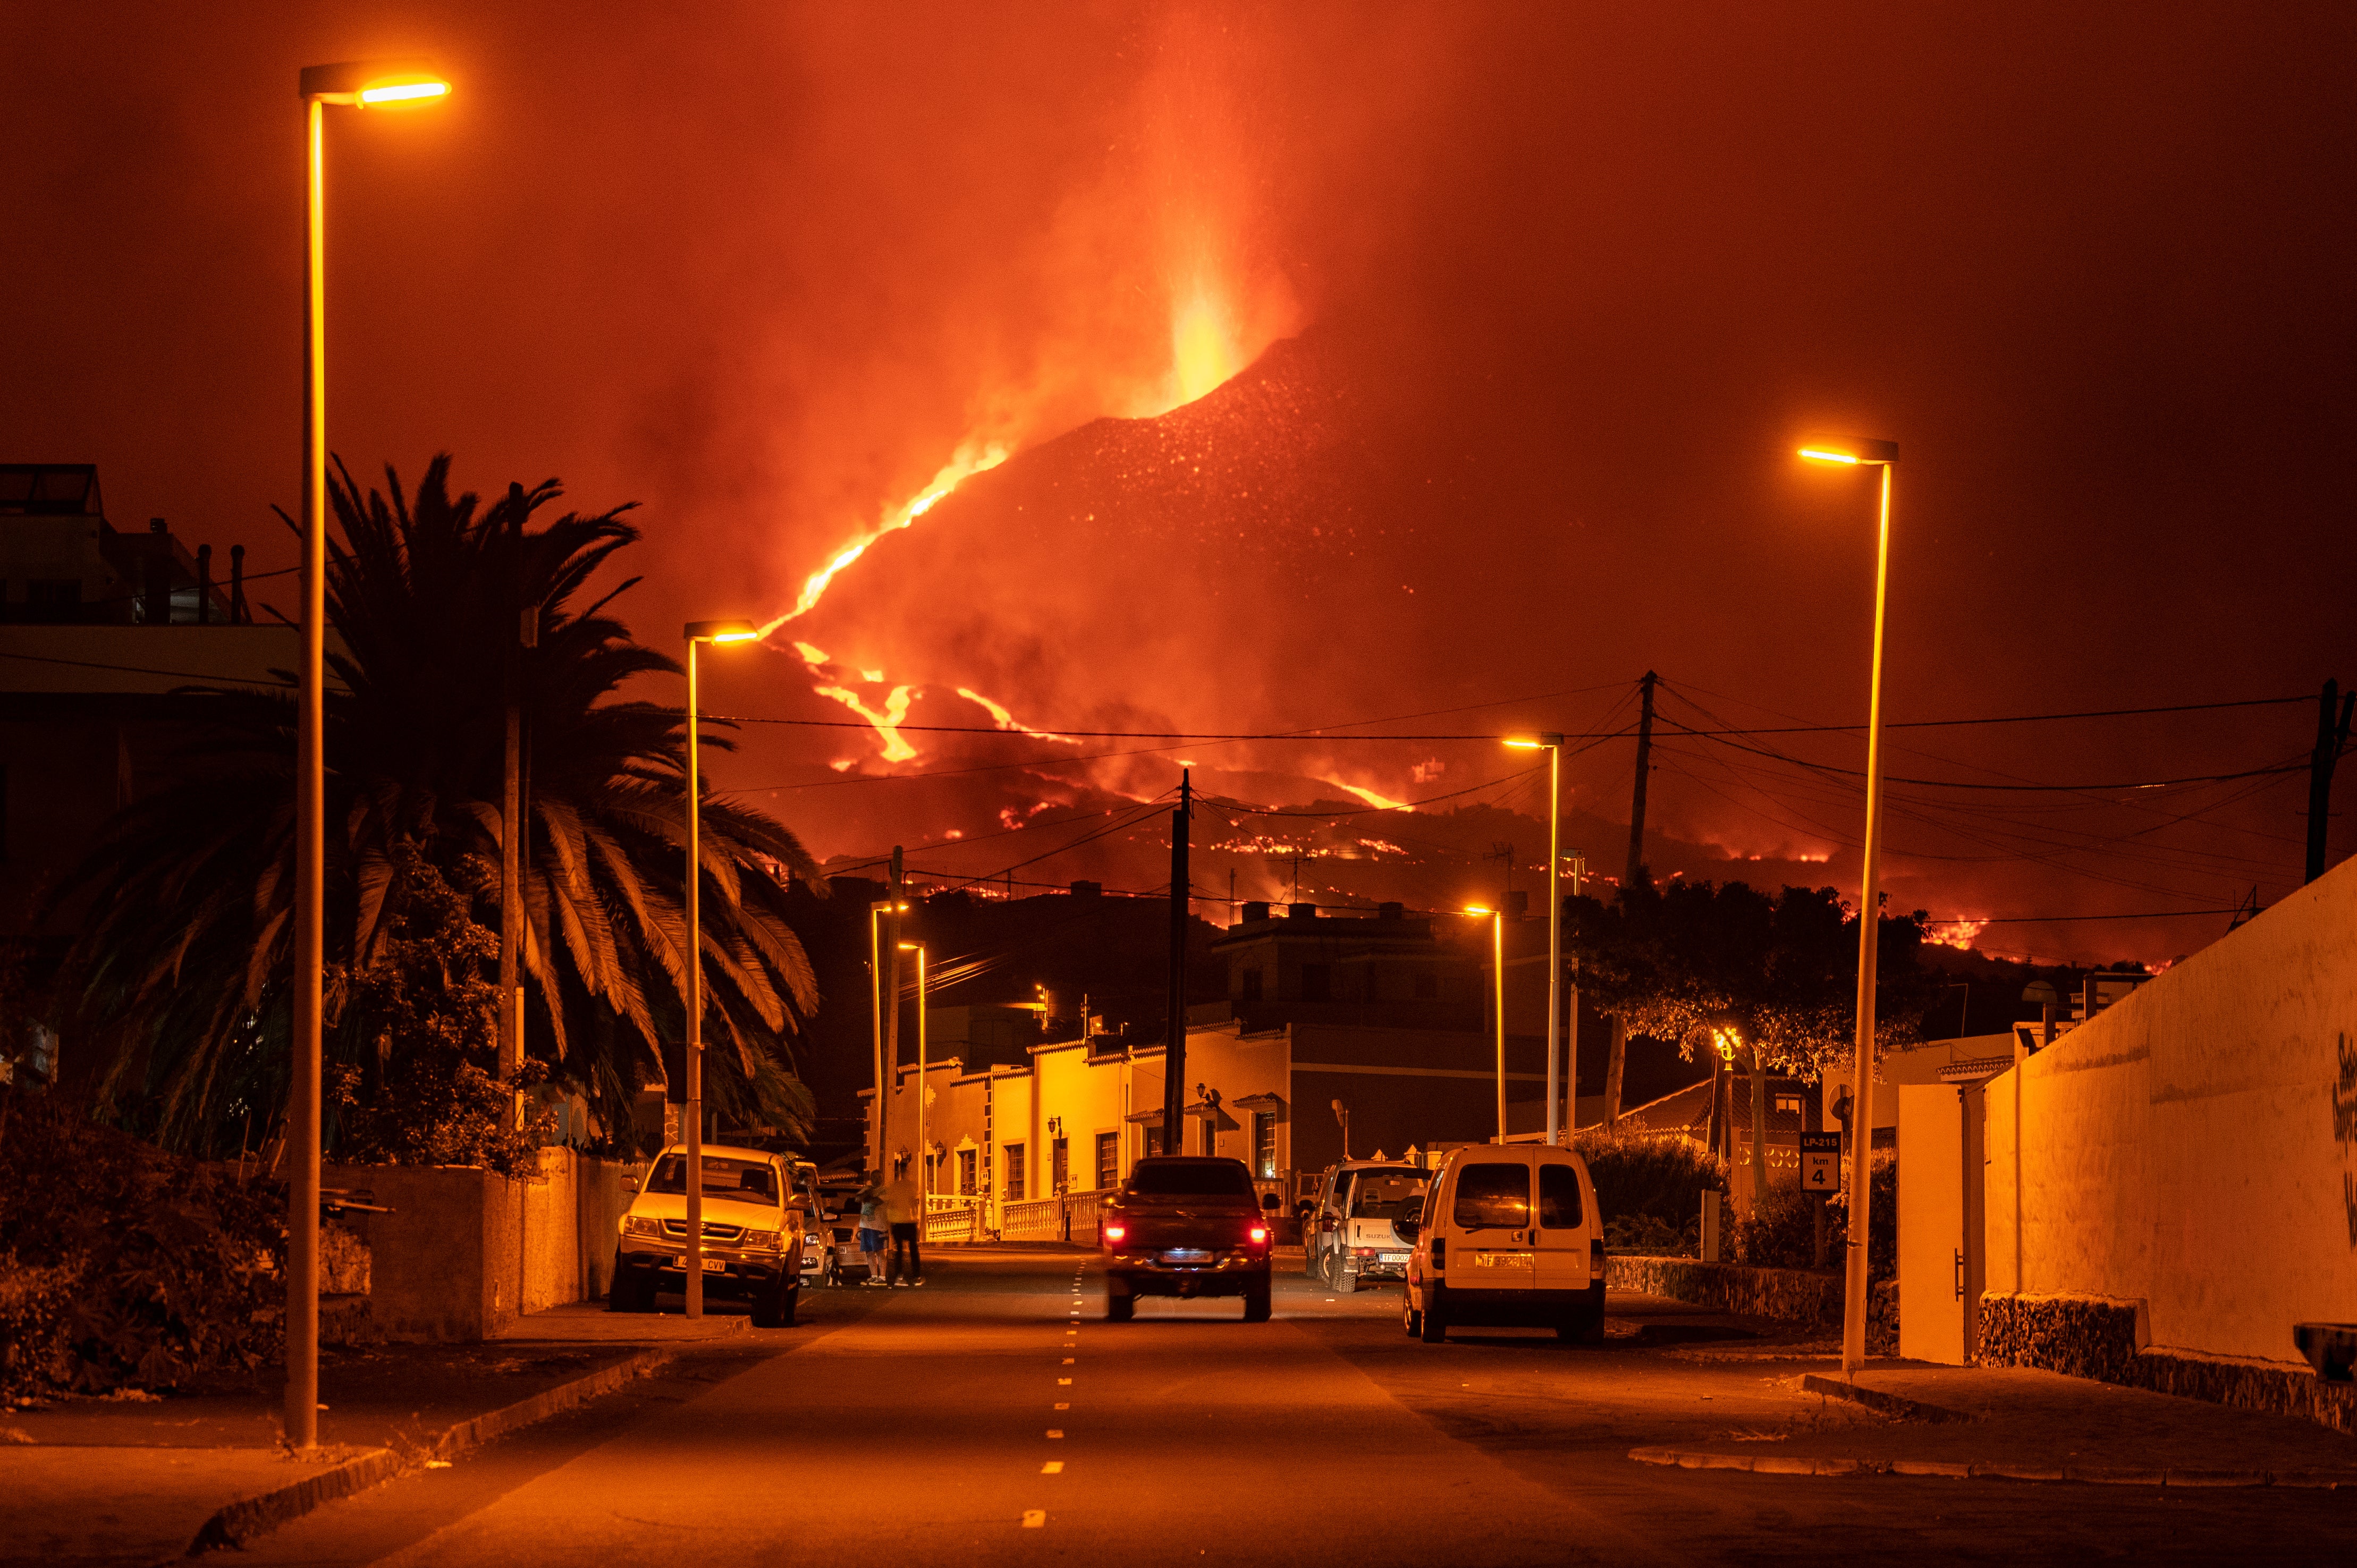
{"points": [[1070, 1218], [953, 1218]]}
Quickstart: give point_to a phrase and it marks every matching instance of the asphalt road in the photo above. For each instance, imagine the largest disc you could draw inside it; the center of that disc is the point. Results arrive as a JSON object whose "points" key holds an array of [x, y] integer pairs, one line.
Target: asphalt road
{"points": [[993, 1416]]}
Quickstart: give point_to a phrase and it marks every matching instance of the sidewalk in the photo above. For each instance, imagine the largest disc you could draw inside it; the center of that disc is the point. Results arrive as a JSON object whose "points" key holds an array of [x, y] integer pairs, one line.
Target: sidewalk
{"points": [[139, 1479], [1908, 1418]]}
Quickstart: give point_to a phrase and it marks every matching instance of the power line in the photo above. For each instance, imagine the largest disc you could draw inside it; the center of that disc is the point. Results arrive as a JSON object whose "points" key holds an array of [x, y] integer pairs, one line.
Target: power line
{"points": [[1721, 736]]}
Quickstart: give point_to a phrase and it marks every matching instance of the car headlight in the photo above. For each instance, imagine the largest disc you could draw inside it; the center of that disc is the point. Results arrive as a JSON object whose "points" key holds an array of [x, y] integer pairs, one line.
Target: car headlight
{"points": [[642, 1225], [814, 1239], [761, 1240]]}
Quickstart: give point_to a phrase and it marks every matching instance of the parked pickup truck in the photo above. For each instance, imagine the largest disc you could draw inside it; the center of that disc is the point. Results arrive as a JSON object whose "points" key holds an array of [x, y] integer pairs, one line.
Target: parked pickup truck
{"points": [[1185, 1226]]}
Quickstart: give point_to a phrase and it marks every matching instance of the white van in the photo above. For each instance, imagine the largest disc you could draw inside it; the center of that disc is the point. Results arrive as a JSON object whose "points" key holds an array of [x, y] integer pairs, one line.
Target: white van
{"points": [[1510, 1236]]}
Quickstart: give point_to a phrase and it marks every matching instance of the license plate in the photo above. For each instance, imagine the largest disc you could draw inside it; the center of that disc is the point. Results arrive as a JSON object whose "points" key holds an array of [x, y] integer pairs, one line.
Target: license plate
{"points": [[715, 1265], [1186, 1255], [1502, 1260], [1394, 1258]]}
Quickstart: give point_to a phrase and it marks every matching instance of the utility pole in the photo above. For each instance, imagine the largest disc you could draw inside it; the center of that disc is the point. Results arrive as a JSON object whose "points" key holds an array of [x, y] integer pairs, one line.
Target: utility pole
{"points": [[1644, 766], [1174, 1053], [887, 1089], [2332, 740], [511, 818]]}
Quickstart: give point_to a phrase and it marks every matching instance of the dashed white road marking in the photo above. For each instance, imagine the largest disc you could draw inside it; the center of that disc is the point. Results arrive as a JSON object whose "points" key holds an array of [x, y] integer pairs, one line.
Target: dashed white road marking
{"points": [[1063, 1382], [1055, 1432], [1052, 1467], [1033, 1518]]}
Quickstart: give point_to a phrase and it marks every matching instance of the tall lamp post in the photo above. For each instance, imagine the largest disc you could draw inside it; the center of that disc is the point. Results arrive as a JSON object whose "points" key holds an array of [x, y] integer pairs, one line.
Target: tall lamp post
{"points": [[353, 84], [1853, 452], [697, 633], [1497, 969], [1552, 744]]}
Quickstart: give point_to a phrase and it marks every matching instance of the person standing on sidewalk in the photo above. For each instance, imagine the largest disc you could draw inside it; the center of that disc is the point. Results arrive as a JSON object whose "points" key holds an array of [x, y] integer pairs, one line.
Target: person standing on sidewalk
{"points": [[904, 1208], [871, 1232]]}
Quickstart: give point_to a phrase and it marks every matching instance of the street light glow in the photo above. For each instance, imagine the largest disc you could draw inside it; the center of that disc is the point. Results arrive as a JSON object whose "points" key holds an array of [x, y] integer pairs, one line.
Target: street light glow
{"points": [[722, 632], [1849, 450], [1816, 455], [403, 91]]}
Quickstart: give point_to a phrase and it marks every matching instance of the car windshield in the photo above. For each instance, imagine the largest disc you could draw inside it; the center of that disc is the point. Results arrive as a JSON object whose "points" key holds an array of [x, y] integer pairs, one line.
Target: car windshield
{"points": [[1386, 1195], [740, 1181], [1190, 1178]]}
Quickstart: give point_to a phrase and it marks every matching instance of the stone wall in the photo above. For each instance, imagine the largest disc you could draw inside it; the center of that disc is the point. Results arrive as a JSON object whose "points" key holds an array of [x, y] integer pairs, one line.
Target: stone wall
{"points": [[1794, 1295], [463, 1252], [2094, 1336]]}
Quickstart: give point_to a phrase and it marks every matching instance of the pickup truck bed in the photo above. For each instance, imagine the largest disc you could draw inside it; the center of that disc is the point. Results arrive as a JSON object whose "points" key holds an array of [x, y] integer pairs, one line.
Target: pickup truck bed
{"points": [[1186, 1227]]}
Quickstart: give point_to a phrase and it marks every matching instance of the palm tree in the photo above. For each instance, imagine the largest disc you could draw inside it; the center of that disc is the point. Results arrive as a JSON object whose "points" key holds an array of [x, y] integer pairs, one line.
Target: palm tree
{"points": [[183, 966]]}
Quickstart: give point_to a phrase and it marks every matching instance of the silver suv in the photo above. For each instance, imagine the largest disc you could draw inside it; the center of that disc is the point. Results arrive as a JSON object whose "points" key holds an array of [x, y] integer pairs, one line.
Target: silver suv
{"points": [[1346, 1237]]}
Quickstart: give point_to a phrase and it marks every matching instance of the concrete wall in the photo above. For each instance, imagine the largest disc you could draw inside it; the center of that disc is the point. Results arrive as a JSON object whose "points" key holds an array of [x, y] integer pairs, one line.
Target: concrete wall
{"points": [[464, 1251], [2193, 1148]]}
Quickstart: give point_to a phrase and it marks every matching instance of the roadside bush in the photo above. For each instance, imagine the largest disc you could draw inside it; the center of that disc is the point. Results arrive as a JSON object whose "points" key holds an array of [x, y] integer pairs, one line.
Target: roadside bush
{"points": [[121, 1264], [1781, 1232], [1882, 1242], [1650, 1188]]}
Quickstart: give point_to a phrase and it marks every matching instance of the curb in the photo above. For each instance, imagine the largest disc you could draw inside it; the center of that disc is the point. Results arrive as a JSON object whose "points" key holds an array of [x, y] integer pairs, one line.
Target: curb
{"points": [[1877, 1400], [249, 1517], [1982, 1470]]}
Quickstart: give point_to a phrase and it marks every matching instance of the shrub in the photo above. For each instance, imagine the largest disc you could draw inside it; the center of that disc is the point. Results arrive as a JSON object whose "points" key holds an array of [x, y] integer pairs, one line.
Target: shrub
{"points": [[1648, 1188], [1882, 1250], [1781, 1232], [122, 1264]]}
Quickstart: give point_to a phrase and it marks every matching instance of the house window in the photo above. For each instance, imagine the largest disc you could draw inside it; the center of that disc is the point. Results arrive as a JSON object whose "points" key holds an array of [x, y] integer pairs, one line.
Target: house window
{"points": [[1264, 1142], [1152, 1142], [1015, 1173], [966, 1163], [1316, 983], [1061, 1164], [1788, 1105], [1248, 985], [1108, 1161]]}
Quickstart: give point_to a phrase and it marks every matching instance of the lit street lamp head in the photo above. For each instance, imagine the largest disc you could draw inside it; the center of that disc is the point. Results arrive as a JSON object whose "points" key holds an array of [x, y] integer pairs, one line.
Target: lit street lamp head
{"points": [[375, 83], [1853, 450], [722, 632], [1547, 742]]}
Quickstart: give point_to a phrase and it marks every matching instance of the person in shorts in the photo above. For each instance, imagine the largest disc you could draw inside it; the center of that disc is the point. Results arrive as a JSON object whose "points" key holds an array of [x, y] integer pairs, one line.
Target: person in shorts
{"points": [[872, 1233]]}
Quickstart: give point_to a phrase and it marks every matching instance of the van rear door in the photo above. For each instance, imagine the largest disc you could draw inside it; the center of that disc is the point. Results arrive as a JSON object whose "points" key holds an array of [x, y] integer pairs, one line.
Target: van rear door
{"points": [[1490, 1209], [1561, 1238]]}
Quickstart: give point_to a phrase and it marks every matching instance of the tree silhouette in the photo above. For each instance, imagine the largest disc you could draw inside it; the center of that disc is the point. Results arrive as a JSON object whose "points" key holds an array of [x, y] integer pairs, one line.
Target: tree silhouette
{"points": [[184, 965]]}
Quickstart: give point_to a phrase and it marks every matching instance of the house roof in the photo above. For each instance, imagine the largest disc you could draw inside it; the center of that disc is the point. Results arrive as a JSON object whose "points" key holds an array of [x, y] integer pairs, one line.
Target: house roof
{"points": [[1687, 1110]]}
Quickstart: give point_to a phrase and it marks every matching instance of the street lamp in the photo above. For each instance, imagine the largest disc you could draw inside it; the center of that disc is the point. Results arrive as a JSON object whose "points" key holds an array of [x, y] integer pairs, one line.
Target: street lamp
{"points": [[1552, 744], [355, 83], [1498, 964], [924, 1162], [697, 633], [1853, 452]]}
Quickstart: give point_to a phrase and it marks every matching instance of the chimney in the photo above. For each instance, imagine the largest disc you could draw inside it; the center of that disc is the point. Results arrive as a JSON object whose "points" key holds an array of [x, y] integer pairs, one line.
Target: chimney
{"points": [[1256, 912], [237, 614], [155, 595], [1301, 911], [1389, 911], [204, 585]]}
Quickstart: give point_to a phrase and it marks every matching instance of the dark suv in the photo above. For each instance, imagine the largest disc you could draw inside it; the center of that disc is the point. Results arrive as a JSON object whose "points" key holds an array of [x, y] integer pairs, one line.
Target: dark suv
{"points": [[1185, 1226]]}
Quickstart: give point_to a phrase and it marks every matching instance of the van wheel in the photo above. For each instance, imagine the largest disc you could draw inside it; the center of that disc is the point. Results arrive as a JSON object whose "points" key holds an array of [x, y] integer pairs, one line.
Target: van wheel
{"points": [[1433, 1326], [1120, 1305], [1411, 1318], [1256, 1303]]}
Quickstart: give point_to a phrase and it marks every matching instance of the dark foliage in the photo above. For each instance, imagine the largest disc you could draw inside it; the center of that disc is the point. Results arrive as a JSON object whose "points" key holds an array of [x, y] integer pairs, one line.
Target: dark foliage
{"points": [[121, 1264], [1648, 1187]]}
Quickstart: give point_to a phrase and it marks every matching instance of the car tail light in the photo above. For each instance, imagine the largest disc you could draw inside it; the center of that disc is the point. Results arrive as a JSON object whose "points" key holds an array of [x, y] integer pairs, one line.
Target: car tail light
{"points": [[1439, 1253], [1259, 1234], [1113, 1233]]}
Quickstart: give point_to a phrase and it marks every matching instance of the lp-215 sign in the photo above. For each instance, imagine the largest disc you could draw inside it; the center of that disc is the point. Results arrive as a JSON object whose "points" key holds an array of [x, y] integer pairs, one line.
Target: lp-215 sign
{"points": [[1820, 1162]]}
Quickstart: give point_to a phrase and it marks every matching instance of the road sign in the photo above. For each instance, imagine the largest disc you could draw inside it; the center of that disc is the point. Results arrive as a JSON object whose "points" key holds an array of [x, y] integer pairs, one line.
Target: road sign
{"points": [[1820, 1162]]}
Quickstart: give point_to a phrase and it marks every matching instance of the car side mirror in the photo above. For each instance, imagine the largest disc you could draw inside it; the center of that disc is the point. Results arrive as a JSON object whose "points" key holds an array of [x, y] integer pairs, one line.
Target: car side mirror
{"points": [[629, 1183]]}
